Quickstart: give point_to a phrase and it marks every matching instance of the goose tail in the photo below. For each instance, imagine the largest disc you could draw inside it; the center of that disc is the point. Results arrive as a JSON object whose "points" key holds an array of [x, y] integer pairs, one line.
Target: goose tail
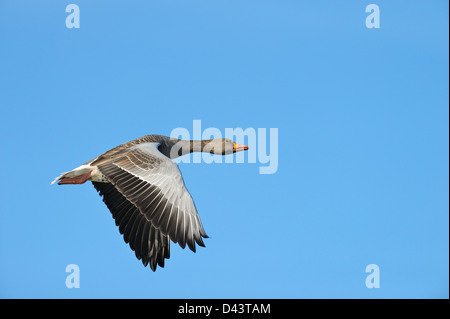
{"points": [[77, 176], [60, 177]]}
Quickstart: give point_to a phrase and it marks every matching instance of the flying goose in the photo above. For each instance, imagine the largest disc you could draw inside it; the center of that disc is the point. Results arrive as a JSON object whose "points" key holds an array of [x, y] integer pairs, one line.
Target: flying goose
{"points": [[145, 192]]}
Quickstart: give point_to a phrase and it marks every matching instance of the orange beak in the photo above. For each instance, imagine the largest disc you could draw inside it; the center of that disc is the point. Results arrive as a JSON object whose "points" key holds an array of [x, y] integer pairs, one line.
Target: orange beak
{"points": [[239, 147]]}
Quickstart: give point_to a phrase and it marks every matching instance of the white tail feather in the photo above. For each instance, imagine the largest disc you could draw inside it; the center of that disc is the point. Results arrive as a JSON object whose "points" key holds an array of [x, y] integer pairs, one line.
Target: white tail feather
{"points": [[80, 170]]}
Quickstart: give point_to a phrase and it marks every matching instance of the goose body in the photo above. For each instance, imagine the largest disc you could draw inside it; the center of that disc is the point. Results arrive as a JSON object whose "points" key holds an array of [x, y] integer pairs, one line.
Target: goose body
{"points": [[145, 192]]}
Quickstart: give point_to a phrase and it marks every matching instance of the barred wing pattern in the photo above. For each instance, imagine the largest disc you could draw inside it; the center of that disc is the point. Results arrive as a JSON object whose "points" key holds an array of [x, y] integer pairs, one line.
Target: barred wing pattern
{"points": [[148, 243], [150, 202]]}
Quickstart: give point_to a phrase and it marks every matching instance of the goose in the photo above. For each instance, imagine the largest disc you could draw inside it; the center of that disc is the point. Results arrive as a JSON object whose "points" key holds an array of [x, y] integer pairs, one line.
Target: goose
{"points": [[145, 192]]}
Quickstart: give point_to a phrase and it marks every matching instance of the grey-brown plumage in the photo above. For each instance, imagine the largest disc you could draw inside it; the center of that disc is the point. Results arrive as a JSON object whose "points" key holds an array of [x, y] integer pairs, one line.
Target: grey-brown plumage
{"points": [[145, 192], [149, 243]]}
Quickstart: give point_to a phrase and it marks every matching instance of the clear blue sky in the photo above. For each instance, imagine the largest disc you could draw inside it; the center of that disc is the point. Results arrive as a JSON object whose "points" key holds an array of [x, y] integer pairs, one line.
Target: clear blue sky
{"points": [[363, 122]]}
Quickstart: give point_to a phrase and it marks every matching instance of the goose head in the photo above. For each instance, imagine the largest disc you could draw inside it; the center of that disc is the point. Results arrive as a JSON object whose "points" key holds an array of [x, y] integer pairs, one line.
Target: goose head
{"points": [[222, 146]]}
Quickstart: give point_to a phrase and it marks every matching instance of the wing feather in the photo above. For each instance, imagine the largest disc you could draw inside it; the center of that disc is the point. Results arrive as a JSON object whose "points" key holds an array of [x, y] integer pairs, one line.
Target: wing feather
{"points": [[149, 202], [143, 239]]}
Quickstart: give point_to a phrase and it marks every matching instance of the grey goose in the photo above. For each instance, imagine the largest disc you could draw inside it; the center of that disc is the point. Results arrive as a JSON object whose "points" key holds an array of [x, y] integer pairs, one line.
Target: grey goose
{"points": [[145, 192]]}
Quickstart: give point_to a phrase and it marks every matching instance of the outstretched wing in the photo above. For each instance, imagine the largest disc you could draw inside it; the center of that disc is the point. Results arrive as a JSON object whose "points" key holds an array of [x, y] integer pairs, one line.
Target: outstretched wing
{"points": [[154, 185], [148, 243]]}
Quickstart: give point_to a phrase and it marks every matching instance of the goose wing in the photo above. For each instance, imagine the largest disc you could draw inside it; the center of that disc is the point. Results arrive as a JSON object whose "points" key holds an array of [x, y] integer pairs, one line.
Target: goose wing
{"points": [[148, 243], [153, 184]]}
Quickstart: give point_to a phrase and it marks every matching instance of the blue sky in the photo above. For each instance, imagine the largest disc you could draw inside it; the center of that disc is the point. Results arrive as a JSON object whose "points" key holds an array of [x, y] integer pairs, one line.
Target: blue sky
{"points": [[363, 157]]}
